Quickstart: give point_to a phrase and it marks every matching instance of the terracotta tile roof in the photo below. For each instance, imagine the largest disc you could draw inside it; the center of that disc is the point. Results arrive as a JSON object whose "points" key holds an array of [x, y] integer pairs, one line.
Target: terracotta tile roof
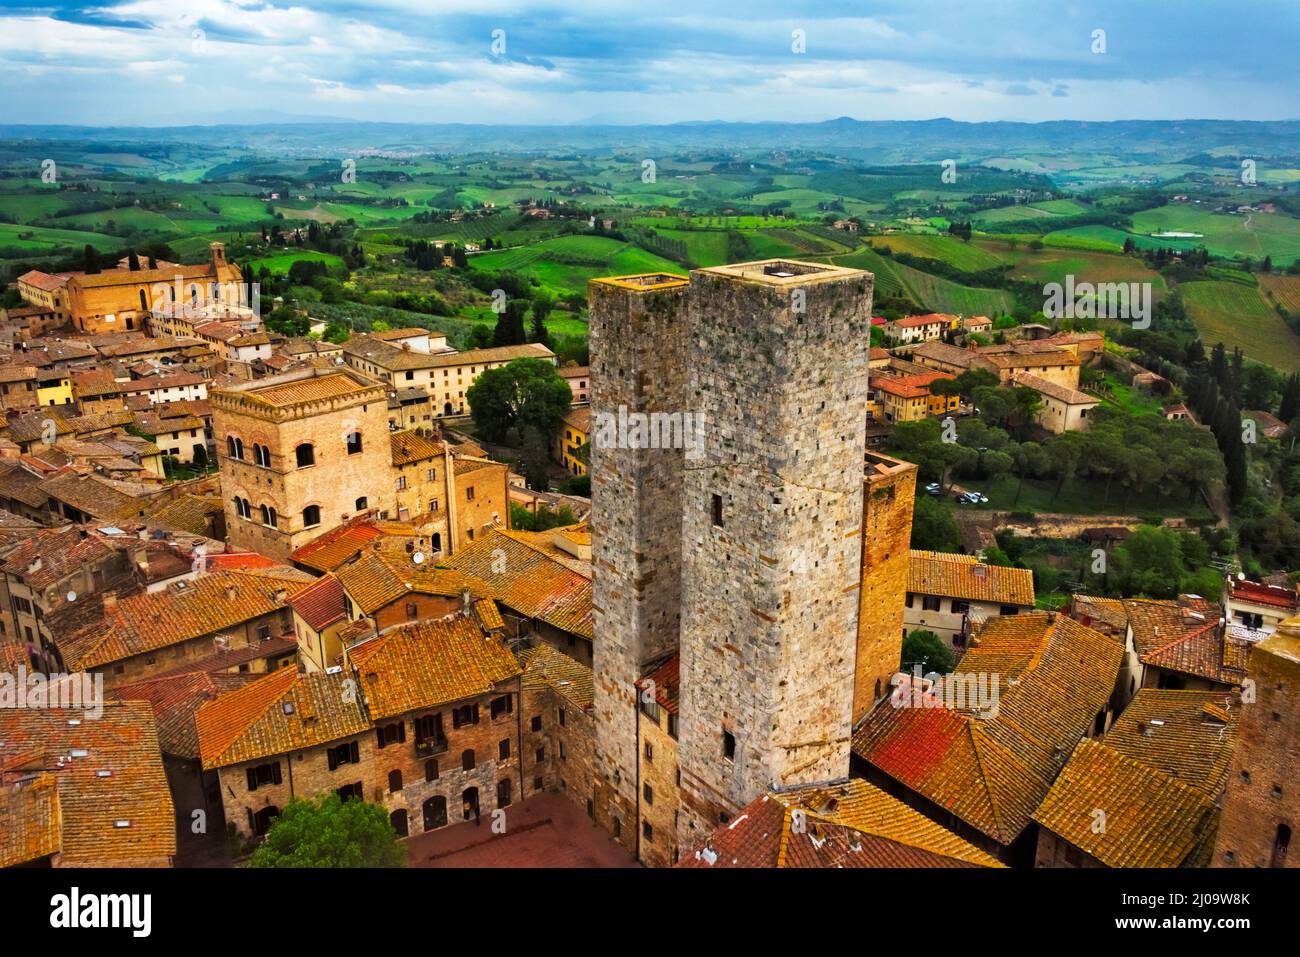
{"points": [[1151, 819], [1184, 636], [202, 606], [321, 603], [489, 615], [950, 355], [665, 680], [390, 357], [51, 555], [94, 383], [851, 824], [193, 514], [176, 699], [375, 580], [410, 446], [30, 820], [545, 666], [21, 485], [993, 771], [912, 322], [329, 551], [46, 282], [429, 663], [579, 419], [964, 577], [522, 573], [31, 427], [1187, 735], [10, 372], [1257, 593], [122, 741], [1087, 609], [281, 712], [310, 389], [102, 498], [1054, 391]]}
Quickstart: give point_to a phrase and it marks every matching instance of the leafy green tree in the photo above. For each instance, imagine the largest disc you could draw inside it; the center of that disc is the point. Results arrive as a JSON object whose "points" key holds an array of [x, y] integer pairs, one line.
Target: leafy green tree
{"points": [[928, 650], [519, 394], [330, 832], [933, 526], [536, 459]]}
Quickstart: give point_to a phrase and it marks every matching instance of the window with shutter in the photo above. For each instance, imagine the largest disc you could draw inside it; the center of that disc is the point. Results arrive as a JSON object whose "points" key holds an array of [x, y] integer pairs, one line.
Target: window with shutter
{"points": [[252, 780]]}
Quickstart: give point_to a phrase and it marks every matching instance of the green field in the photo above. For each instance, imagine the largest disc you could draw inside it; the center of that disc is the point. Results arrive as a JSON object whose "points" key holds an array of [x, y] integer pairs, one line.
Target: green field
{"points": [[1244, 234], [564, 265], [1237, 315], [279, 264], [1083, 497]]}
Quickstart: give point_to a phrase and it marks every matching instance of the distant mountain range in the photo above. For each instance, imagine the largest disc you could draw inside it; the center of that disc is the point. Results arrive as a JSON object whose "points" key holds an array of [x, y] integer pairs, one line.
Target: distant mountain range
{"points": [[890, 141]]}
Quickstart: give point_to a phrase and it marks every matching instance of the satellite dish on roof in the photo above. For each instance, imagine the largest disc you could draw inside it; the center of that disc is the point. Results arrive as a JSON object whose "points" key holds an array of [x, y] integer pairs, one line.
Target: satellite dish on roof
{"points": [[1241, 576], [418, 558]]}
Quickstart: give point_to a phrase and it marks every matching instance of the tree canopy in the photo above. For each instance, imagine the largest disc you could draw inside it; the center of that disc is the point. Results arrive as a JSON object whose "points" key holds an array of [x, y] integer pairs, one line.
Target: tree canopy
{"points": [[330, 832], [520, 394]]}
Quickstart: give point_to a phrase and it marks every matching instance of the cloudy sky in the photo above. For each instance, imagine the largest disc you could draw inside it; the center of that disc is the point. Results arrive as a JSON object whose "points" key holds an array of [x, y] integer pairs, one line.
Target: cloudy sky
{"points": [[162, 62]]}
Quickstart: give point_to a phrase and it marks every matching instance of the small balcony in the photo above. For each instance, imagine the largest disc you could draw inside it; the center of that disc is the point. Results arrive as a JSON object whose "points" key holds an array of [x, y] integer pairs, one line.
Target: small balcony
{"points": [[430, 746]]}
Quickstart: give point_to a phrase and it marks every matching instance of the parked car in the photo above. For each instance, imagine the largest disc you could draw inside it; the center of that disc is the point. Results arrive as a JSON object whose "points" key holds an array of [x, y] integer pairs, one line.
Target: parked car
{"points": [[933, 489]]}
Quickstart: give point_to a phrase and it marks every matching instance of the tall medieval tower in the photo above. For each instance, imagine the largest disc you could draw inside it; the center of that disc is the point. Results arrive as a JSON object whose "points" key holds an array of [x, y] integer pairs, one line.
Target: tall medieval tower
{"points": [[639, 365], [771, 530]]}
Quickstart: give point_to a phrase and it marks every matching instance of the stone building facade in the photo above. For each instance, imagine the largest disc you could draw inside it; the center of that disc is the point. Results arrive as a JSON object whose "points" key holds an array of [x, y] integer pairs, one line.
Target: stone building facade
{"points": [[1261, 804], [300, 454], [771, 530], [639, 344]]}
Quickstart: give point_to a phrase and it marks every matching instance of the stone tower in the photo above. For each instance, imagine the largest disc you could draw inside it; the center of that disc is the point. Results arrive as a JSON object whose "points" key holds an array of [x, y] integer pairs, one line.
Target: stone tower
{"points": [[890, 491], [1261, 803], [638, 346], [772, 519]]}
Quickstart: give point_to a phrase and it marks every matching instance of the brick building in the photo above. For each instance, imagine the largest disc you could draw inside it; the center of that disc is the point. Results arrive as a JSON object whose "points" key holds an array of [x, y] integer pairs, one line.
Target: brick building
{"points": [[424, 720], [300, 453], [1261, 806]]}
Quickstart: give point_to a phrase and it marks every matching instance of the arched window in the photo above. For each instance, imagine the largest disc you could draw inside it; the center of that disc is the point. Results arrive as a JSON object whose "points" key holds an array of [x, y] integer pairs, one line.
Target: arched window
{"points": [[235, 447], [311, 516], [394, 781], [275, 519], [266, 515], [354, 443], [469, 802], [242, 508], [435, 812], [467, 760], [306, 455], [261, 456], [398, 820], [361, 504], [435, 542], [144, 303]]}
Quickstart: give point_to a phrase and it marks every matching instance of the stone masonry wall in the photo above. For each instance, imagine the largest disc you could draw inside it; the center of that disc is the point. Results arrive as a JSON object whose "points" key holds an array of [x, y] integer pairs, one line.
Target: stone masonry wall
{"points": [[770, 597], [1262, 794], [886, 561], [638, 346]]}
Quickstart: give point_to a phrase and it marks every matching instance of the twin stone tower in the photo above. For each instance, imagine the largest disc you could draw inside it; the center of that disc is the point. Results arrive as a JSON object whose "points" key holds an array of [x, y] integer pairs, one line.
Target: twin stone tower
{"points": [[766, 547]]}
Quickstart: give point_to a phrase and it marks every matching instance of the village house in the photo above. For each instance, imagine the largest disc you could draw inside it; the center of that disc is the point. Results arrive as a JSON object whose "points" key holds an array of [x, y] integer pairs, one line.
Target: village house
{"points": [[1254, 610], [1147, 793], [431, 733], [571, 435], [921, 328], [980, 766], [952, 595], [1063, 409], [442, 372], [81, 792], [243, 617]]}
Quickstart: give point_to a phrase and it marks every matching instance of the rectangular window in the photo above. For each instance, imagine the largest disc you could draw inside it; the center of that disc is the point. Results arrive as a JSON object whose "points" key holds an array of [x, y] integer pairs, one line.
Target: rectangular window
{"points": [[649, 752], [561, 717], [468, 714], [502, 706], [930, 602], [394, 733], [469, 493], [1009, 610], [541, 755], [672, 726], [536, 724], [503, 749], [717, 510], [343, 754], [728, 745], [648, 793], [960, 607]]}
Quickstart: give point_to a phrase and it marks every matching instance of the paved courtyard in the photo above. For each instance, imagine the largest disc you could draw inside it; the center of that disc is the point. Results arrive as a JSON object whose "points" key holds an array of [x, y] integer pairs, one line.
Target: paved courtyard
{"points": [[547, 830]]}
